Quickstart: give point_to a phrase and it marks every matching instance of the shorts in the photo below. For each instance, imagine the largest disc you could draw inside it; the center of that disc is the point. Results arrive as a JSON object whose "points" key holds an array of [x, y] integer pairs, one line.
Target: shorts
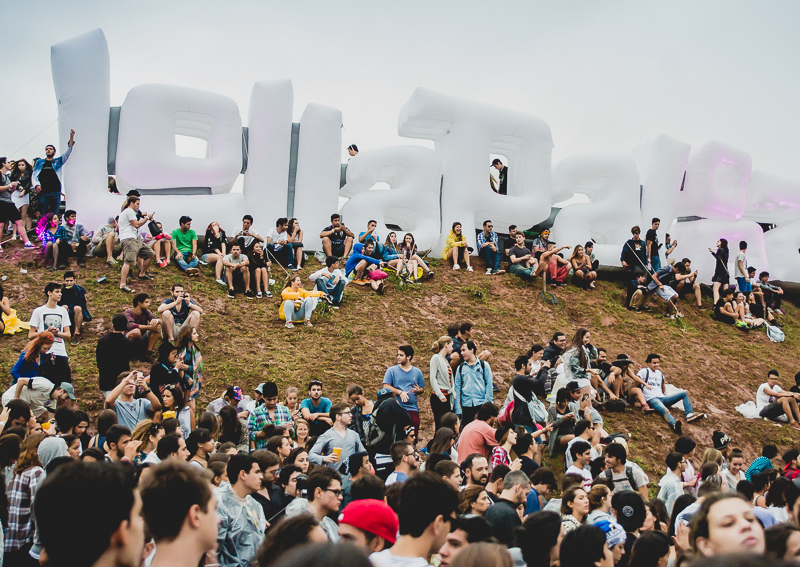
{"points": [[724, 280], [133, 248], [743, 285], [100, 249], [727, 319], [772, 411], [666, 294], [205, 257], [337, 249], [8, 212]]}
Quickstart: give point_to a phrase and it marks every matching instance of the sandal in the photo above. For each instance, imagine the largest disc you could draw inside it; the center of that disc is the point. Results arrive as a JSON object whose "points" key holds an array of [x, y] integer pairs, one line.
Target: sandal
{"points": [[126, 289]]}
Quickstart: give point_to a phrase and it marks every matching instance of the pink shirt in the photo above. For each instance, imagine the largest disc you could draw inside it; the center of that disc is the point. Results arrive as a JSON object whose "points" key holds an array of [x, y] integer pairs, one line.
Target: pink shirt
{"points": [[476, 437]]}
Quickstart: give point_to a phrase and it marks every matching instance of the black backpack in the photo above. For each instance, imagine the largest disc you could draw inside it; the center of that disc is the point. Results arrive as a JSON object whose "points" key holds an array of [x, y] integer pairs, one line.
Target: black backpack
{"points": [[373, 434]]}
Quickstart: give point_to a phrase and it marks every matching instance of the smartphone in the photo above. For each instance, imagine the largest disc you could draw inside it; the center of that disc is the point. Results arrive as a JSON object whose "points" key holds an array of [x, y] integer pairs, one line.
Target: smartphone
{"points": [[585, 397], [101, 280]]}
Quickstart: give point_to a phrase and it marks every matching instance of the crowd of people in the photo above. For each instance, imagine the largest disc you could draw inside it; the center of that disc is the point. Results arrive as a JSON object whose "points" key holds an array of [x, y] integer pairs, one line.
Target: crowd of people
{"points": [[269, 477]]}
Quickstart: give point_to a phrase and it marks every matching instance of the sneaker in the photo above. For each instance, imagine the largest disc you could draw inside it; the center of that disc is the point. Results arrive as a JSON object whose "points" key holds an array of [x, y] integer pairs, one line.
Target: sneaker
{"points": [[781, 310], [308, 323], [499, 272], [161, 263], [30, 244], [82, 264], [488, 271], [113, 262], [231, 294], [200, 261], [289, 325], [271, 281], [192, 271], [295, 269], [647, 410], [221, 282], [249, 294], [267, 294], [677, 428], [75, 340], [430, 273], [380, 289], [694, 417], [335, 307], [456, 267], [469, 269], [259, 295], [327, 299], [126, 289], [795, 425]]}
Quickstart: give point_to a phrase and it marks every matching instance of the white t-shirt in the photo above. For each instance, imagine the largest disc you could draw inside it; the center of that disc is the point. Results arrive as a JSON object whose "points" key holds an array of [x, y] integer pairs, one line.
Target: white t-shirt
{"points": [[248, 240], [654, 379], [126, 229], [43, 318], [275, 236], [621, 479], [568, 457], [739, 273], [585, 473], [385, 558], [762, 399]]}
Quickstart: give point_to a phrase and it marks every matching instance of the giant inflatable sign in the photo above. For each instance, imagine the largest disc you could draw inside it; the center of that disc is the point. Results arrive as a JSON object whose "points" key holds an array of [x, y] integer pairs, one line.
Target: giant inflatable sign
{"points": [[701, 191]]}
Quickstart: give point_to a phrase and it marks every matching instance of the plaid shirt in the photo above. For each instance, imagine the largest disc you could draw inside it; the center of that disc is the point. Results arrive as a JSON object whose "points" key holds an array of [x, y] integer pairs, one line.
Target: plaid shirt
{"points": [[20, 508], [499, 457], [482, 238], [259, 418]]}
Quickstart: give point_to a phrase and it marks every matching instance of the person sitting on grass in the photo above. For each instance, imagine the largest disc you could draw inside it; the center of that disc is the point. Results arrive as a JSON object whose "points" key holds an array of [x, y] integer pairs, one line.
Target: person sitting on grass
{"points": [[724, 310], [772, 401], [771, 293], [361, 262], [660, 284], [236, 262], [637, 293], [582, 273], [488, 249], [523, 262], [76, 241], [294, 239], [655, 389], [337, 239], [687, 284], [557, 267], [588, 249], [742, 308], [73, 298], [51, 233], [634, 255], [163, 246], [391, 254], [144, 328], [298, 304], [185, 240], [755, 309], [455, 248], [215, 244], [178, 311], [260, 266], [408, 250], [562, 422], [331, 280]]}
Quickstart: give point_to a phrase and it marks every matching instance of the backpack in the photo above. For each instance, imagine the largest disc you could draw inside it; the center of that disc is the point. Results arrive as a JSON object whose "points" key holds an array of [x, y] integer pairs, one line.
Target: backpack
{"points": [[483, 371], [373, 434], [608, 474], [775, 333]]}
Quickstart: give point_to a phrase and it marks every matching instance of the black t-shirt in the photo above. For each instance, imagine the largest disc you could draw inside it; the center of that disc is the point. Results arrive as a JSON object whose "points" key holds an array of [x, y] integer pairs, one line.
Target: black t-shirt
{"points": [[114, 353], [503, 189], [795, 389], [212, 242], [518, 251], [258, 261], [48, 178], [337, 237], [651, 236], [604, 367]]}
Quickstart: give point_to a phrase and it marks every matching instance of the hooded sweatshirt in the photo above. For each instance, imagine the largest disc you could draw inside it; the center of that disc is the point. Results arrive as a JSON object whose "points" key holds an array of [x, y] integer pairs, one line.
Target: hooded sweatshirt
{"points": [[356, 256]]}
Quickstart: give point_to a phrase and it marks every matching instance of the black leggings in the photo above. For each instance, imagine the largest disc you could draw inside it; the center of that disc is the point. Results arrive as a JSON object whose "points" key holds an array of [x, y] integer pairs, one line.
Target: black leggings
{"points": [[439, 408]]}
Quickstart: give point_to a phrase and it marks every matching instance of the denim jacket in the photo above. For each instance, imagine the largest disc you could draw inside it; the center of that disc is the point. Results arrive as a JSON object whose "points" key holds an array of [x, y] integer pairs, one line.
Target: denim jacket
{"points": [[75, 232], [473, 385], [58, 163]]}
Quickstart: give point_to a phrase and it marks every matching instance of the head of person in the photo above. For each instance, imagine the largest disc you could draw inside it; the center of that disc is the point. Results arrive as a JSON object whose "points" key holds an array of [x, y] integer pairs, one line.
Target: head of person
{"points": [[404, 456], [359, 463], [426, 506], [117, 438], [651, 549], [269, 464], [585, 546], [575, 501], [742, 245], [405, 354], [332, 262], [282, 224], [244, 473], [456, 230], [736, 462], [560, 340], [315, 389], [629, 509], [299, 457], [476, 469], [172, 446], [177, 501], [725, 525], [289, 533], [370, 525], [516, 486], [783, 542], [336, 220], [20, 412], [117, 531], [368, 486], [352, 149], [466, 531], [539, 539], [635, 232], [325, 489], [563, 397]]}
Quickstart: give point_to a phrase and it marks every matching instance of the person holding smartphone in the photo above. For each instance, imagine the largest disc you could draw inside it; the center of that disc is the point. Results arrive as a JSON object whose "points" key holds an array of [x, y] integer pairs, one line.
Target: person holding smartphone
{"points": [[130, 410]]}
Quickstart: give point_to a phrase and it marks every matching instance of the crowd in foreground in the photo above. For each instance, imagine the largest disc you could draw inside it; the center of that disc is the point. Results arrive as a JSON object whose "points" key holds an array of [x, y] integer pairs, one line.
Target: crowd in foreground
{"points": [[267, 478]]}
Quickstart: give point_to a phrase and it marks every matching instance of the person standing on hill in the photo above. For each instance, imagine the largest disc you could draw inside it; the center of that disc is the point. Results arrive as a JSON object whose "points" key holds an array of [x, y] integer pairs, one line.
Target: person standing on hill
{"points": [[473, 384], [652, 245], [405, 382]]}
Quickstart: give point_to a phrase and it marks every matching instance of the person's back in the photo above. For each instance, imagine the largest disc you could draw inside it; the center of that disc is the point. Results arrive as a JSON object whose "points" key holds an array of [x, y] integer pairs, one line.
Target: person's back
{"points": [[113, 354], [478, 436]]}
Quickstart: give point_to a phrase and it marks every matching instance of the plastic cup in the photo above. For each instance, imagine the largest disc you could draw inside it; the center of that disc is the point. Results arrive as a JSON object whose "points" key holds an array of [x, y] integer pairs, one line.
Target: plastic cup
{"points": [[338, 452]]}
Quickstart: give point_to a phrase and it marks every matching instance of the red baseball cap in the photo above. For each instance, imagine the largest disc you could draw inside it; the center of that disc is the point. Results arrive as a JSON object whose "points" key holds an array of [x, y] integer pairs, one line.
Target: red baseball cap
{"points": [[373, 516]]}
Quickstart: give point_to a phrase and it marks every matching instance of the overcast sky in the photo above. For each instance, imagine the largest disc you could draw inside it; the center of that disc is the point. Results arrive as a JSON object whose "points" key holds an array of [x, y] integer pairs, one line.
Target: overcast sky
{"points": [[603, 75]]}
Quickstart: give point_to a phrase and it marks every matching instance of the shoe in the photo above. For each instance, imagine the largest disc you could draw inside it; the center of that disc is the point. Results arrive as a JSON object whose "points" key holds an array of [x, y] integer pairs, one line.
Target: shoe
{"points": [[61, 267], [296, 269], [30, 244], [469, 269], [289, 325], [192, 271], [647, 410], [199, 261], [113, 262], [456, 267], [335, 307], [249, 294], [495, 388], [161, 263], [259, 295], [677, 428], [488, 271], [75, 340], [430, 273], [327, 299], [308, 323], [380, 289], [221, 282], [231, 294], [694, 417], [781, 310], [498, 272], [267, 294], [145, 277], [126, 289], [795, 425], [81, 264]]}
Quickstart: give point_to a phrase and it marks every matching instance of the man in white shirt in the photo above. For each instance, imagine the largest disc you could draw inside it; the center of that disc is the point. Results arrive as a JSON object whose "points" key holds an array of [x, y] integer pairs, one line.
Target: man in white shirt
{"points": [[584, 431], [53, 318], [330, 280], [427, 505], [655, 394], [671, 485], [277, 242], [134, 251], [772, 401], [581, 453], [247, 237]]}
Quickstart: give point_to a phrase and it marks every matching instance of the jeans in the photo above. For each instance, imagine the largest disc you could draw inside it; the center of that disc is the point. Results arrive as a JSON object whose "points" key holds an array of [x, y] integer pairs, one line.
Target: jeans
{"points": [[521, 271], [661, 405], [335, 291], [283, 255], [183, 264], [655, 262], [65, 251], [468, 414], [491, 257], [49, 202], [305, 311]]}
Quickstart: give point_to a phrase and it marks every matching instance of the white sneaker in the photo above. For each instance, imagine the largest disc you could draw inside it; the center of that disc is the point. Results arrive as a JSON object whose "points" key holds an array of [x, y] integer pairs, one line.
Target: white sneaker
{"points": [[220, 282], [456, 267], [488, 271], [271, 282], [469, 269]]}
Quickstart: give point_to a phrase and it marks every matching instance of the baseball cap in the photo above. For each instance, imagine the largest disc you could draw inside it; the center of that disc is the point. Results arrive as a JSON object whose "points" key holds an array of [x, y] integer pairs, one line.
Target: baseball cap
{"points": [[573, 386], [234, 392], [373, 516], [614, 532], [260, 388], [630, 509], [69, 390]]}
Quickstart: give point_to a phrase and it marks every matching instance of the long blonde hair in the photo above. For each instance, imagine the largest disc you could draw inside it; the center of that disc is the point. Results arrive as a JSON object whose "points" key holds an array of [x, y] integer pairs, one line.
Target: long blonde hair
{"points": [[440, 343]]}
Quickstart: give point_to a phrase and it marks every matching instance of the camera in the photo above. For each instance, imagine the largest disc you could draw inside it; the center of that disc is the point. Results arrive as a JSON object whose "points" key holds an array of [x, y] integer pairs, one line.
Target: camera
{"points": [[302, 486]]}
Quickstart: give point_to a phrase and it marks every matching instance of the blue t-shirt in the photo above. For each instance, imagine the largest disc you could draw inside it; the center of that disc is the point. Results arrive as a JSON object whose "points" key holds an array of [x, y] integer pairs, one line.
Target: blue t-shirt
{"points": [[398, 378], [131, 413], [323, 407]]}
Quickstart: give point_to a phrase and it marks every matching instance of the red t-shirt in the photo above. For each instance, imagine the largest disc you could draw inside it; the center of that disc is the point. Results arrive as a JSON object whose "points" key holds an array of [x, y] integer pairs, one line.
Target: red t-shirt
{"points": [[476, 437]]}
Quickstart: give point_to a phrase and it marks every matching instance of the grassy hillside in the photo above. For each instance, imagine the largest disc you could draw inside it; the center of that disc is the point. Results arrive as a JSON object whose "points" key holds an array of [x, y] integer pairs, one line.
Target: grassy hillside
{"points": [[243, 342]]}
